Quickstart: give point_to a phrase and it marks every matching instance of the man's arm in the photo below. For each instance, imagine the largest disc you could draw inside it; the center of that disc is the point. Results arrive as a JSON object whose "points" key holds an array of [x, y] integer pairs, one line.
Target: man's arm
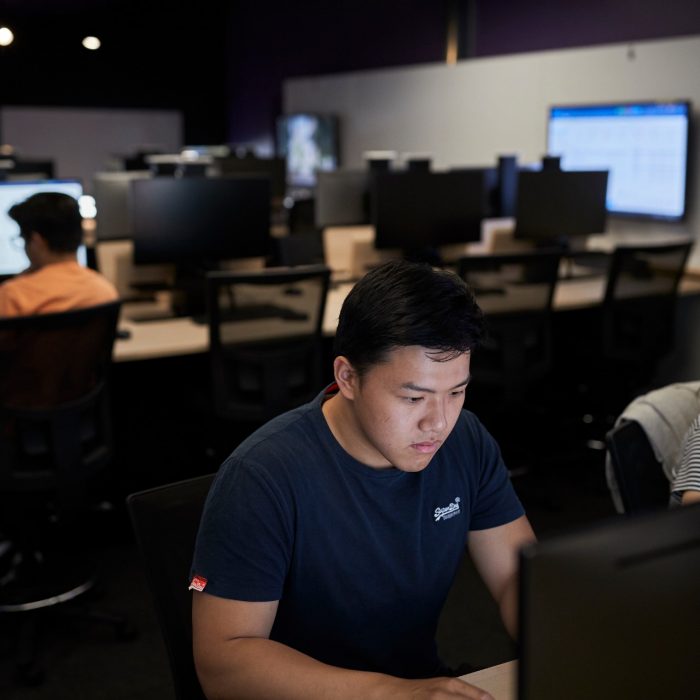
{"points": [[235, 658], [495, 555]]}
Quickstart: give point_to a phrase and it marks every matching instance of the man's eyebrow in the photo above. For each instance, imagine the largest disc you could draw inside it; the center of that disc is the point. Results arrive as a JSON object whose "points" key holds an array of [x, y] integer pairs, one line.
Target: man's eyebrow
{"points": [[414, 387]]}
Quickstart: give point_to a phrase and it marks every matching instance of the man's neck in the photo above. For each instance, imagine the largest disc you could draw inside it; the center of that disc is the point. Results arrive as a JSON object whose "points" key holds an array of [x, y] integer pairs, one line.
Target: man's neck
{"points": [[51, 258]]}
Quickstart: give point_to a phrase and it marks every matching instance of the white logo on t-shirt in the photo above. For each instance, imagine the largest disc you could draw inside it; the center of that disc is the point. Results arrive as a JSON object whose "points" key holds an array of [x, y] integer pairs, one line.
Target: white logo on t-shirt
{"points": [[448, 511]]}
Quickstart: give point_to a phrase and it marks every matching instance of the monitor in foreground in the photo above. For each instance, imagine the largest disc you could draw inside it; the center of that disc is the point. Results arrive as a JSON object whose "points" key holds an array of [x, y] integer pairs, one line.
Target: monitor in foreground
{"points": [[613, 612]]}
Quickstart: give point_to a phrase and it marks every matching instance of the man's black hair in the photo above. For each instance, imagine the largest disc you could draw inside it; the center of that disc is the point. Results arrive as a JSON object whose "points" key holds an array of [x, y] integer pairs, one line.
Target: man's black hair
{"points": [[402, 303], [53, 215]]}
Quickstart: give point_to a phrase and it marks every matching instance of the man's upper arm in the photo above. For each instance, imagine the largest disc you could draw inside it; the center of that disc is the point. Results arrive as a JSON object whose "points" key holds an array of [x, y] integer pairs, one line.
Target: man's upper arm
{"points": [[495, 552], [216, 619]]}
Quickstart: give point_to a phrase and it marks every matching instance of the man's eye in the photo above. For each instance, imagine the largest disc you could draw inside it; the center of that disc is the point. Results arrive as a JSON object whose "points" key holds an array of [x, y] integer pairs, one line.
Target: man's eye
{"points": [[458, 392], [413, 399]]}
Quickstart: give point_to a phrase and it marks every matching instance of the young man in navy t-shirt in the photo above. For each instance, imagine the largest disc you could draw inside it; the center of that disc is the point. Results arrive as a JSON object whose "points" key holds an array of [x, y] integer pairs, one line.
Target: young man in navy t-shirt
{"points": [[332, 535]]}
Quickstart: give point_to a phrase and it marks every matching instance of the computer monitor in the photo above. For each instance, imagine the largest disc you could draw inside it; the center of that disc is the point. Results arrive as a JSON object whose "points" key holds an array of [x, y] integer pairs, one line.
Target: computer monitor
{"points": [[613, 611], [554, 206], [13, 259], [198, 222], [342, 198], [112, 200], [273, 168], [309, 142], [420, 211], [644, 145]]}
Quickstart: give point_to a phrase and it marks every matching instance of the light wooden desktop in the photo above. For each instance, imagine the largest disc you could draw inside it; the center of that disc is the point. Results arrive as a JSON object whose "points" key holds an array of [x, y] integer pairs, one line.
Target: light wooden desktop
{"points": [[500, 681], [182, 336]]}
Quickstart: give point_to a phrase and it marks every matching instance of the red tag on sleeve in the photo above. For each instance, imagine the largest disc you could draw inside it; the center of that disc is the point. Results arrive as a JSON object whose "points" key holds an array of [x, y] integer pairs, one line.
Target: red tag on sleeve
{"points": [[198, 583]]}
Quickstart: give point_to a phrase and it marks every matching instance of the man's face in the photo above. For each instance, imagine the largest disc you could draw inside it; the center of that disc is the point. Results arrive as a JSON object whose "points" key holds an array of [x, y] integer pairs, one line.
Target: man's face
{"points": [[406, 407]]}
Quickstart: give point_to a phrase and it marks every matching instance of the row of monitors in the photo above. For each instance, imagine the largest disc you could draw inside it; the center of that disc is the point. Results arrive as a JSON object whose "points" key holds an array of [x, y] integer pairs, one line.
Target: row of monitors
{"points": [[189, 221], [201, 221], [412, 210]]}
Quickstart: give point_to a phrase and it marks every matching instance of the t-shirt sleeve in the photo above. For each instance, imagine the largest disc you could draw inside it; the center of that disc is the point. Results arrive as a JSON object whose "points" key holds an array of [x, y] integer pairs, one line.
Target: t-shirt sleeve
{"points": [[687, 476], [8, 307], [245, 538], [496, 502]]}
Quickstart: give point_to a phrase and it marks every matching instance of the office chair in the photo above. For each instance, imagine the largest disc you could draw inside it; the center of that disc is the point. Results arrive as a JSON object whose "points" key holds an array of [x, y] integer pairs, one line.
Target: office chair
{"points": [[618, 356], [515, 292], [640, 478], [265, 342], [55, 436], [165, 521], [509, 370]]}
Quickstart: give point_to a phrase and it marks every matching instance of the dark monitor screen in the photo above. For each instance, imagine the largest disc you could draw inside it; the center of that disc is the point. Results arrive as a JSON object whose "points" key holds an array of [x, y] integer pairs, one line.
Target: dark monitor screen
{"points": [[273, 168], [13, 259], [613, 611], [413, 210], [199, 221], [643, 145], [309, 142], [112, 192], [342, 198], [555, 205]]}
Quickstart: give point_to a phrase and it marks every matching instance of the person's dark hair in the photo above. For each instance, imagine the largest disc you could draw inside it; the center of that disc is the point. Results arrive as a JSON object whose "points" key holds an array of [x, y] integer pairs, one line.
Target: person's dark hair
{"points": [[54, 215], [403, 303]]}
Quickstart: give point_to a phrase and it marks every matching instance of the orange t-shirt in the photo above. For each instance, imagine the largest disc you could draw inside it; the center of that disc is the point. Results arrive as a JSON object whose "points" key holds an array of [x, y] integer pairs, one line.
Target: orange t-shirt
{"points": [[56, 287]]}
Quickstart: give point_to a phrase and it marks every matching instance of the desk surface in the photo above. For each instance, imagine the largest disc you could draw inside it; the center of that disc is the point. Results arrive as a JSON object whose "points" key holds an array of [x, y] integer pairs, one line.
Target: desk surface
{"points": [[499, 680], [182, 336]]}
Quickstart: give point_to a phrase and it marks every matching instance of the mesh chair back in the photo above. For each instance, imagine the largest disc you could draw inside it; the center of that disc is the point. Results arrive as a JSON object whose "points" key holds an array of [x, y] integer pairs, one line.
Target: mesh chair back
{"points": [[265, 339], [515, 292], [165, 521], [639, 304], [53, 408]]}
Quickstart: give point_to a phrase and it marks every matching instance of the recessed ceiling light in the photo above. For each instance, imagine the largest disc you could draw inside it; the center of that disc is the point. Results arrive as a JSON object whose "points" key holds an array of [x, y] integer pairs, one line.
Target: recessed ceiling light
{"points": [[6, 36], [92, 43]]}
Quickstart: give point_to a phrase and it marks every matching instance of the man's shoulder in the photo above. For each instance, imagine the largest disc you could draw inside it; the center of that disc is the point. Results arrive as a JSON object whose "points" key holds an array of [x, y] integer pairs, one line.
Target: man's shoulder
{"points": [[287, 437]]}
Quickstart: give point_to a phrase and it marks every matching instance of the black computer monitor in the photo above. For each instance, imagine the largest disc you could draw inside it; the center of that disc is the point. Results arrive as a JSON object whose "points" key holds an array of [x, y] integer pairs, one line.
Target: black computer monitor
{"points": [[198, 222], [13, 259], [613, 611], [420, 211], [273, 168], [341, 198], [554, 206], [112, 192]]}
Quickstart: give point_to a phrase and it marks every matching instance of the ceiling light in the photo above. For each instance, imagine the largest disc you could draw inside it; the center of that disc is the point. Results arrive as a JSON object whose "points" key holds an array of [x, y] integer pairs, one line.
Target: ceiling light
{"points": [[6, 36], [92, 43]]}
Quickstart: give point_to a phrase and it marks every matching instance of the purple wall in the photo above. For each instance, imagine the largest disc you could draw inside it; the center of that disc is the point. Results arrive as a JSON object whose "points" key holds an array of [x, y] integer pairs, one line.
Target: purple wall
{"points": [[312, 38], [315, 37]]}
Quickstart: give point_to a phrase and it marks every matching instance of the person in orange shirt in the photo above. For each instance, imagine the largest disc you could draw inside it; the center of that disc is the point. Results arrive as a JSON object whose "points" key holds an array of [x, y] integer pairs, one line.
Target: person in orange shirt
{"points": [[50, 226]]}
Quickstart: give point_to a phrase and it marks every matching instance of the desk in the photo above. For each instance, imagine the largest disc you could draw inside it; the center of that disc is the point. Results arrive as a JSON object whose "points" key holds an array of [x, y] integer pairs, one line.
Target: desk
{"points": [[182, 336], [500, 681]]}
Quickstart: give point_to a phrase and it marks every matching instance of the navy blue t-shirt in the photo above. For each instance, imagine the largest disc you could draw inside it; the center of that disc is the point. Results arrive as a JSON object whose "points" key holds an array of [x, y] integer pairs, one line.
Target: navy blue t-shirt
{"points": [[361, 559]]}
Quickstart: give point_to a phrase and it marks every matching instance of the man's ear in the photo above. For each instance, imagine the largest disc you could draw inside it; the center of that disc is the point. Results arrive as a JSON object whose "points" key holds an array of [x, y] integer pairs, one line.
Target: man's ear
{"points": [[345, 377]]}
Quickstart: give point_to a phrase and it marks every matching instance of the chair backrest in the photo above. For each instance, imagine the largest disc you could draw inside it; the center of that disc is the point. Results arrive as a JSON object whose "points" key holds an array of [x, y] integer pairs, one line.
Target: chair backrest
{"points": [[515, 291], [640, 477], [54, 412], [639, 303], [265, 339], [165, 521]]}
